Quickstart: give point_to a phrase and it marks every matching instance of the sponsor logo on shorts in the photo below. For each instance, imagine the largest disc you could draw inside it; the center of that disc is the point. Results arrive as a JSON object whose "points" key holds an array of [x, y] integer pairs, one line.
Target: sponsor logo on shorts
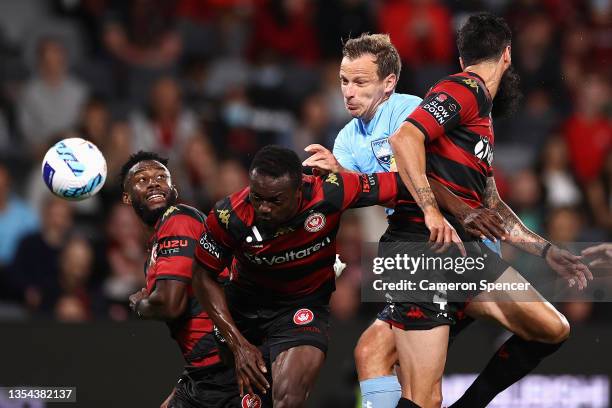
{"points": [[415, 313], [315, 222], [303, 316], [442, 107], [251, 401]]}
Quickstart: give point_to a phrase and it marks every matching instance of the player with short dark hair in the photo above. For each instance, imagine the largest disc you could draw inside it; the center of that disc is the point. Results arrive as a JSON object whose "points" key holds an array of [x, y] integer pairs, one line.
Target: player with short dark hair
{"points": [[279, 240], [449, 138], [174, 230]]}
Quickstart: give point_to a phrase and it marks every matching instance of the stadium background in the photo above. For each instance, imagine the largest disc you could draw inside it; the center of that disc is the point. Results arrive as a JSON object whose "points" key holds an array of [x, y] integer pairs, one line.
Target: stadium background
{"points": [[207, 83]]}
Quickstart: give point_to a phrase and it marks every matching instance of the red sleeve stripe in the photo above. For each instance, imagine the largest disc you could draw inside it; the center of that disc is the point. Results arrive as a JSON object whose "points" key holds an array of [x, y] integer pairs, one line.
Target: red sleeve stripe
{"points": [[387, 190]]}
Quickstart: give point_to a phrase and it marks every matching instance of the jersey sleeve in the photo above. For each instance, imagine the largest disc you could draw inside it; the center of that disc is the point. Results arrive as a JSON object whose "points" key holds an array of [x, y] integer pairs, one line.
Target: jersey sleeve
{"points": [[364, 190], [176, 244], [446, 106], [343, 152], [214, 249], [402, 111]]}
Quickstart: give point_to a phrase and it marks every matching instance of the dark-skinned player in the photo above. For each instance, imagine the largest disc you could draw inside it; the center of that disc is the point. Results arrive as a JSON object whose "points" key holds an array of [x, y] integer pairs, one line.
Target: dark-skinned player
{"points": [[277, 237], [174, 230]]}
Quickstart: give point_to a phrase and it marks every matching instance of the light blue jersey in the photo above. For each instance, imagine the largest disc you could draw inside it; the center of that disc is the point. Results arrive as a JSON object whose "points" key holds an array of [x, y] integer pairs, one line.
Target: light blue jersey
{"points": [[364, 147]]}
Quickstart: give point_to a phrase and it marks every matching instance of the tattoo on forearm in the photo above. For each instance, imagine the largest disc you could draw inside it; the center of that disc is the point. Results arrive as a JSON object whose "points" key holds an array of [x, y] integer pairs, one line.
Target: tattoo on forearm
{"points": [[426, 198], [520, 235]]}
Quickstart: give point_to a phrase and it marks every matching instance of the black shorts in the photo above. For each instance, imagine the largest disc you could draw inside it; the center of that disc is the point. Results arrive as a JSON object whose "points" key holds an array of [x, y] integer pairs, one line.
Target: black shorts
{"points": [[276, 329], [213, 387], [425, 310]]}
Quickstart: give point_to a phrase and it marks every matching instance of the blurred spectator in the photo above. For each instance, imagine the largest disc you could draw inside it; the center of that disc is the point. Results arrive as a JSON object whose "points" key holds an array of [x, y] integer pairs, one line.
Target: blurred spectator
{"points": [[339, 20], [419, 29], [166, 125], [232, 177], [284, 30], [95, 122], [564, 225], [588, 131], [35, 266], [314, 126], [599, 195], [345, 300], [16, 219], [525, 198], [519, 138], [70, 309], [141, 34], [116, 150], [125, 253], [534, 54], [197, 174], [51, 101], [557, 178], [75, 270]]}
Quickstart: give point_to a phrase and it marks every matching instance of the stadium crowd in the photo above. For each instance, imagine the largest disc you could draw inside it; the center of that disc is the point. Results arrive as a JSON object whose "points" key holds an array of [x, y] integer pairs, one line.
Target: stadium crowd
{"points": [[208, 82]]}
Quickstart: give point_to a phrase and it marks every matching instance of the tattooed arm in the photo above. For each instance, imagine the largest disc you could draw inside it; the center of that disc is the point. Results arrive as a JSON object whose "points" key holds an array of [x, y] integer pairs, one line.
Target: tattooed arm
{"points": [[408, 145], [518, 235]]}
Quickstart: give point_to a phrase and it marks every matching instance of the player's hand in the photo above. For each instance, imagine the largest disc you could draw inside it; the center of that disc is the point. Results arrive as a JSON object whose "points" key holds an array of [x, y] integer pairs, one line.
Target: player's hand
{"points": [[250, 368], [442, 234], [322, 160], [568, 266], [137, 297], [483, 223], [601, 255]]}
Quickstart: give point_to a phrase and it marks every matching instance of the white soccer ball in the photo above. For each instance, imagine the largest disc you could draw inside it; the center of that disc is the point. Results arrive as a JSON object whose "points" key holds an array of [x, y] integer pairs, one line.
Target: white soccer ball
{"points": [[74, 169]]}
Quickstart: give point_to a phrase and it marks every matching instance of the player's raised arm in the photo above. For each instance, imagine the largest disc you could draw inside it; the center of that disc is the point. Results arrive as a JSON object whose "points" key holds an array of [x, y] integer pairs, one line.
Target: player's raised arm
{"points": [[561, 261]]}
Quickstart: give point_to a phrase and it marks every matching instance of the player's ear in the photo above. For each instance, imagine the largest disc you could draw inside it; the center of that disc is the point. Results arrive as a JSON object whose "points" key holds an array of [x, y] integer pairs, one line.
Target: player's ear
{"points": [[390, 83], [125, 198]]}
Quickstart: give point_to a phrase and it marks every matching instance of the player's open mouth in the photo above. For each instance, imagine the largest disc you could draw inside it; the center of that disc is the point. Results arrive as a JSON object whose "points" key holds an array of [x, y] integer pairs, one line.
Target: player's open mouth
{"points": [[156, 197]]}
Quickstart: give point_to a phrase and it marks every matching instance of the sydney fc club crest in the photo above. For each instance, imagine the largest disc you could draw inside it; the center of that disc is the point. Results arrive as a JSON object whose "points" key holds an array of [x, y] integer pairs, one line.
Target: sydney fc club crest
{"points": [[315, 222], [303, 316], [382, 151], [251, 401]]}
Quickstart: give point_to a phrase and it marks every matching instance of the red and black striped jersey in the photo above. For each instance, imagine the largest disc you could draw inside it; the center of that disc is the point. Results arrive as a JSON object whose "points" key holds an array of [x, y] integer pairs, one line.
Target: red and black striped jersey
{"points": [[171, 249], [294, 263], [455, 117]]}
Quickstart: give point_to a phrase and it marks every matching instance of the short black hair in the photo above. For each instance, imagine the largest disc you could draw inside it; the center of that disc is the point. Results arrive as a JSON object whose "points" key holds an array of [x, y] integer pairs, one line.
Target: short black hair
{"points": [[277, 161], [483, 37], [136, 158]]}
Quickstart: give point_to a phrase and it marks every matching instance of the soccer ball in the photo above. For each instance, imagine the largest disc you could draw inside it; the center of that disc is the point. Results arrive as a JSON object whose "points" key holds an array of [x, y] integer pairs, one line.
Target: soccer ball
{"points": [[74, 169]]}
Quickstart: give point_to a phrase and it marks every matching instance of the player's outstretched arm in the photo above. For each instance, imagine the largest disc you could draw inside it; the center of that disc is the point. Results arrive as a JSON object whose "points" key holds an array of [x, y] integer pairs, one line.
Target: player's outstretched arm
{"points": [[408, 145], [250, 365], [167, 302], [479, 222], [561, 261]]}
